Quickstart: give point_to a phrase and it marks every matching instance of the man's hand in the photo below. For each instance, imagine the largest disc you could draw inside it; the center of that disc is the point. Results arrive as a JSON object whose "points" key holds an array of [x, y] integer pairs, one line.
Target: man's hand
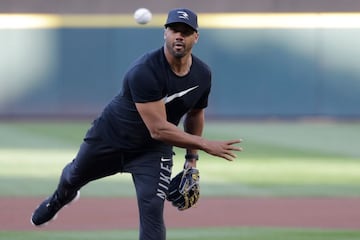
{"points": [[223, 149]]}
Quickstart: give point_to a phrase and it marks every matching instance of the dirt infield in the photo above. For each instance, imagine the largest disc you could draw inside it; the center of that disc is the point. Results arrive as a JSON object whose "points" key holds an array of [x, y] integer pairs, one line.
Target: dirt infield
{"points": [[121, 213]]}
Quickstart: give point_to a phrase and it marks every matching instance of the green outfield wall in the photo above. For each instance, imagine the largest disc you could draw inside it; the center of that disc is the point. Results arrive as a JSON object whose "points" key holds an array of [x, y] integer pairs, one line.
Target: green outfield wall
{"points": [[257, 72]]}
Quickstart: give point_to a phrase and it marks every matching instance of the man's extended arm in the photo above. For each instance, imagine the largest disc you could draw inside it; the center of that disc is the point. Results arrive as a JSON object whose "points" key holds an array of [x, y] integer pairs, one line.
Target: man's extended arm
{"points": [[154, 117]]}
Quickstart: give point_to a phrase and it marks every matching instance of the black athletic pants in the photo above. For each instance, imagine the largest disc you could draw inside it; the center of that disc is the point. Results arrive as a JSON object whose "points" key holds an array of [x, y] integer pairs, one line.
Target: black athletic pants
{"points": [[151, 172]]}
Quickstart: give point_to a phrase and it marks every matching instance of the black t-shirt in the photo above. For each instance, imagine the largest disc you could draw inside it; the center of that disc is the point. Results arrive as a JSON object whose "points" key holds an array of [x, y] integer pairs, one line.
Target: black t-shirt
{"points": [[150, 79]]}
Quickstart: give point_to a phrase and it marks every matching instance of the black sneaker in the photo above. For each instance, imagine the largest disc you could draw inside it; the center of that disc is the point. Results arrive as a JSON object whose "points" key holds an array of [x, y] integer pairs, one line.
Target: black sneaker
{"points": [[48, 209]]}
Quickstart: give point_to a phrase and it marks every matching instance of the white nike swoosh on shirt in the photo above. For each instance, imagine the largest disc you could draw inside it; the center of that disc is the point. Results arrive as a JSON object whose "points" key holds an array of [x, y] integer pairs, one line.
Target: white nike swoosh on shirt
{"points": [[179, 94]]}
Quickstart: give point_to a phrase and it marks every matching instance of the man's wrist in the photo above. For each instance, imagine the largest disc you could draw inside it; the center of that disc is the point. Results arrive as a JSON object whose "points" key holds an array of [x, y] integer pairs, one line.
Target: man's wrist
{"points": [[191, 157]]}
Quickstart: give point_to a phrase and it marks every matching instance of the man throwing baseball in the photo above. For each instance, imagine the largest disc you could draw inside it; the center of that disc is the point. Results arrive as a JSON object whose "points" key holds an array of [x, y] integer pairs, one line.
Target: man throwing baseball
{"points": [[137, 130]]}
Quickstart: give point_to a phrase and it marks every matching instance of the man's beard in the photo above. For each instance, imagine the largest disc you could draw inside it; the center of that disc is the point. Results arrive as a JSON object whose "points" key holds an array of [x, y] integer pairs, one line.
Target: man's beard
{"points": [[175, 53]]}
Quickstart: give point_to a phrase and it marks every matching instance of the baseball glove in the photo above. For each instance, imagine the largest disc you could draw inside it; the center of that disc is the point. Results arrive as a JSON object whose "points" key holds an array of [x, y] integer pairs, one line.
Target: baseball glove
{"points": [[184, 189]]}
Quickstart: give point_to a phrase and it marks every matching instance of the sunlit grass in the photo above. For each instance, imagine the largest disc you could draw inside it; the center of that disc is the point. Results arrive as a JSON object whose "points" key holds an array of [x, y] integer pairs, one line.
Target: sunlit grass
{"points": [[47, 164], [281, 159]]}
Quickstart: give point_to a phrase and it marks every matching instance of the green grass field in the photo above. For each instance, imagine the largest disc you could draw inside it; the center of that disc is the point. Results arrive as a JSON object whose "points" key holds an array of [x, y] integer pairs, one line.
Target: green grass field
{"points": [[279, 159], [195, 234]]}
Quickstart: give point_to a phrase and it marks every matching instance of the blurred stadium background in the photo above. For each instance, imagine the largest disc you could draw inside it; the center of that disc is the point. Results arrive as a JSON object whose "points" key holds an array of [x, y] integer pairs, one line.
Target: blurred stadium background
{"points": [[285, 79], [270, 59]]}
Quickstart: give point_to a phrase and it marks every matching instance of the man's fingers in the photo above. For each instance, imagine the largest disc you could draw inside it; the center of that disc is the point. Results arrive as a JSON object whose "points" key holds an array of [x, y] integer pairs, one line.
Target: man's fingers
{"points": [[232, 147], [235, 148], [235, 141], [227, 157], [232, 142], [229, 154]]}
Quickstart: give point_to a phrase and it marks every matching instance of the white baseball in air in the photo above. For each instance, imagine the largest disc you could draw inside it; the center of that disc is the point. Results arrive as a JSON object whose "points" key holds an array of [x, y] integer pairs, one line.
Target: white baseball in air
{"points": [[142, 15]]}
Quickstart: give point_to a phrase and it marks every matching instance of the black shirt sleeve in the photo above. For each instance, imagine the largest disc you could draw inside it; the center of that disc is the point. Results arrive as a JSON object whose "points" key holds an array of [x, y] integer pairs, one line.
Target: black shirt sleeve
{"points": [[144, 85]]}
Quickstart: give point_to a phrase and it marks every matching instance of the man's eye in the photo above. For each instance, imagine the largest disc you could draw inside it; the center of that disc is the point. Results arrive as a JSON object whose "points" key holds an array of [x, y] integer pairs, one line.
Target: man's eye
{"points": [[186, 32]]}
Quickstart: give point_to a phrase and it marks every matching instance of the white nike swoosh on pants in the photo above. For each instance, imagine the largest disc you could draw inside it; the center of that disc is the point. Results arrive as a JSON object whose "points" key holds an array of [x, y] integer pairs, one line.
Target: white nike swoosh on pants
{"points": [[165, 159], [179, 94]]}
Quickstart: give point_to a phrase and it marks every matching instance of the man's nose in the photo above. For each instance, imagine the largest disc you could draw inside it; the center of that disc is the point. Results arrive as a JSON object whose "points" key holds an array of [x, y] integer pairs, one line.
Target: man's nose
{"points": [[179, 36]]}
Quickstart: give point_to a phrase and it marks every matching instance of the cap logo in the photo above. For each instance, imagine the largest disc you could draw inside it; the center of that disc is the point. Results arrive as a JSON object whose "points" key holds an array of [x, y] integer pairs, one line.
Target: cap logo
{"points": [[183, 15]]}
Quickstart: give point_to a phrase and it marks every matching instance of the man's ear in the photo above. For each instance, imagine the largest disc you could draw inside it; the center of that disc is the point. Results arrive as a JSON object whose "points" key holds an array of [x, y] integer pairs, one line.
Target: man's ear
{"points": [[197, 37]]}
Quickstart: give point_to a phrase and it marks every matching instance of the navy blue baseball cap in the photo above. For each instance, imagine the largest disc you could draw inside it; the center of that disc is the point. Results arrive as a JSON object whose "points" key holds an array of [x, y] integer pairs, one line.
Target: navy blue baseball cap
{"points": [[182, 15]]}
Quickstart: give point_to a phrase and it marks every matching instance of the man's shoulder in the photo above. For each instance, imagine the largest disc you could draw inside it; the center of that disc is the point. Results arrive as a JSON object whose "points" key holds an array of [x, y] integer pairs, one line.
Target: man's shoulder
{"points": [[201, 65], [152, 56], [148, 62], [149, 68], [200, 62]]}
